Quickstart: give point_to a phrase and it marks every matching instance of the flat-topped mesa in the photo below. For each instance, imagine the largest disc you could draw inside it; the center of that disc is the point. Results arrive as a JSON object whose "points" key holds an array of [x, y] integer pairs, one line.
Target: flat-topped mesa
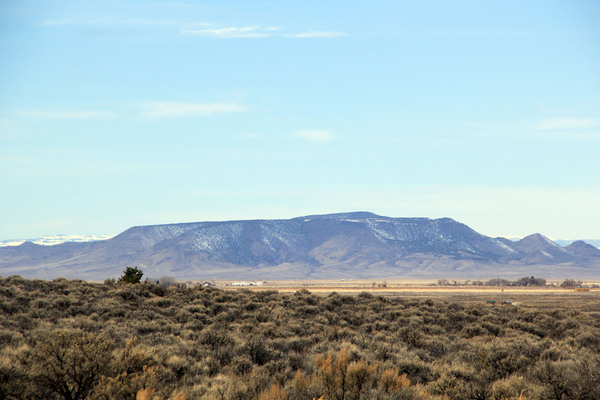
{"points": [[351, 244]]}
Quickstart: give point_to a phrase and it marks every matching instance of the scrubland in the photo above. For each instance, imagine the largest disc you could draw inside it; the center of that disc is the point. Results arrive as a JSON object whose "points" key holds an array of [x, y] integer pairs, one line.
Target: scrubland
{"points": [[66, 339]]}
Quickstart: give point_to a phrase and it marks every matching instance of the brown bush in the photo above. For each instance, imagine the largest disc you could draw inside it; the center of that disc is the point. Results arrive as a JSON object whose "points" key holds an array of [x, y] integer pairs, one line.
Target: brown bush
{"points": [[68, 364]]}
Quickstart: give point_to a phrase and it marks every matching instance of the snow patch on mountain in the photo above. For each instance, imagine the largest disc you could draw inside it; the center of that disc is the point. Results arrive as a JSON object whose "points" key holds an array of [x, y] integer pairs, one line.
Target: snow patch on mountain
{"points": [[546, 254], [273, 231], [217, 237], [507, 248]]}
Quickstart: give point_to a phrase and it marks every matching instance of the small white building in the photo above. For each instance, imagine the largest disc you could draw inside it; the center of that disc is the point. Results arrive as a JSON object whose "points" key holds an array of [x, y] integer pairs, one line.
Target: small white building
{"points": [[247, 283]]}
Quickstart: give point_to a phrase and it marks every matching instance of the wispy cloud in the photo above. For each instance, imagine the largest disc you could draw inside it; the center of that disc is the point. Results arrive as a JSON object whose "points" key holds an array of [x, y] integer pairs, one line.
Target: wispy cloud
{"points": [[565, 128], [568, 124], [80, 20], [315, 135], [257, 32], [316, 34], [181, 109], [84, 114], [190, 27], [144, 109], [233, 32]]}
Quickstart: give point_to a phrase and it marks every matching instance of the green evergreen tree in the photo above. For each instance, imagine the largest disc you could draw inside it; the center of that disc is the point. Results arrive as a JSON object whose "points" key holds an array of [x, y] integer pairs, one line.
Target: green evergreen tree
{"points": [[131, 275]]}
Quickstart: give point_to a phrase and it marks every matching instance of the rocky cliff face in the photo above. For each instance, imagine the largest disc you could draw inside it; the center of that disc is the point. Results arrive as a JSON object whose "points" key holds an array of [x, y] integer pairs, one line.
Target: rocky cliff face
{"points": [[348, 245]]}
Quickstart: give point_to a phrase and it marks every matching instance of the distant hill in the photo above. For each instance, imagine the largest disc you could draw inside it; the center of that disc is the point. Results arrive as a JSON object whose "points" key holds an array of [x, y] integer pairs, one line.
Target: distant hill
{"points": [[346, 245], [593, 242]]}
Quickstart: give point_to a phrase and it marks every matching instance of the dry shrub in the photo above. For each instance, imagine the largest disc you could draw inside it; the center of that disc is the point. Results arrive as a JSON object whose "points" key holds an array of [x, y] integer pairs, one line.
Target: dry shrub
{"points": [[275, 392], [559, 379], [131, 371], [147, 394], [144, 394], [513, 388], [302, 383], [332, 372], [257, 349], [217, 344], [225, 388], [13, 376], [338, 378], [361, 376], [125, 386], [392, 382], [68, 364]]}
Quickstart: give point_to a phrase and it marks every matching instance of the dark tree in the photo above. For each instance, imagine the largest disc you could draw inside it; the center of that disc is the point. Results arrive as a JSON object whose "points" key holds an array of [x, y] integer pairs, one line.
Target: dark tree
{"points": [[571, 283], [131, 275]]}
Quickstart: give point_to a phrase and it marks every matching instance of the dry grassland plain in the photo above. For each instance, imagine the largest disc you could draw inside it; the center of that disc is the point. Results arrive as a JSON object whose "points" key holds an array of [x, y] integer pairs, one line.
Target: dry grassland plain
{"points": [[548, 297]]}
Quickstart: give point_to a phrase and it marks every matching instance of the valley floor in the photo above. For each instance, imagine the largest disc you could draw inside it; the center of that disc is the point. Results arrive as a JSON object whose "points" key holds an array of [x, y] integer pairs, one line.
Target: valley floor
{"points": [[549, 297]]}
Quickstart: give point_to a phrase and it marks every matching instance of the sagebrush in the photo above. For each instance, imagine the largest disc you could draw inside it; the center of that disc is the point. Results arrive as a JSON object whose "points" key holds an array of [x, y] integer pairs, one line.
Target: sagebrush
{"points": [[77, 340]]}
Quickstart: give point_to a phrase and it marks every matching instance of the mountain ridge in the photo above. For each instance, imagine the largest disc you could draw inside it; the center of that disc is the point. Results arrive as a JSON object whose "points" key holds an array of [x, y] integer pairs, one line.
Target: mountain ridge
{"points": [[346, 245]]}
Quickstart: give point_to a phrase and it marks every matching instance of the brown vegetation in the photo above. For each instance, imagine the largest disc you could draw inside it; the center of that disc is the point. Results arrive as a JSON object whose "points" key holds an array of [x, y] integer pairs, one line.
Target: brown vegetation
{"points": [[76, 340]]}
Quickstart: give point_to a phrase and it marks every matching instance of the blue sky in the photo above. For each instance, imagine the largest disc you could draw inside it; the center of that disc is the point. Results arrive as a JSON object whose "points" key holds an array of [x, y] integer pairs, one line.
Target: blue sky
{"points": [[115, 114]]}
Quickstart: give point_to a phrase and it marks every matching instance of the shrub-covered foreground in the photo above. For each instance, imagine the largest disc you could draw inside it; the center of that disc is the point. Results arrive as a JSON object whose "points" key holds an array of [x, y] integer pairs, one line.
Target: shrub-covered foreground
{"points": [[77, 340]]}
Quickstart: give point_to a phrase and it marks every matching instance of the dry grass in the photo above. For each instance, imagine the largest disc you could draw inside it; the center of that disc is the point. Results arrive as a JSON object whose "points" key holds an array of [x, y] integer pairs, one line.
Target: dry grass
{"points": [[549, 297]]}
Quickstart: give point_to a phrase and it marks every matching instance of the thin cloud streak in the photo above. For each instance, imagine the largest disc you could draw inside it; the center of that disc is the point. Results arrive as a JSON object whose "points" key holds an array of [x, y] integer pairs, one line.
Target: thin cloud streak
{"points": [[120, 21], [216, 33], [568, 124], [552, 128], [233, 32], [317, 35], [257, 32], [86, 114], [148, 110], [181, 109]]}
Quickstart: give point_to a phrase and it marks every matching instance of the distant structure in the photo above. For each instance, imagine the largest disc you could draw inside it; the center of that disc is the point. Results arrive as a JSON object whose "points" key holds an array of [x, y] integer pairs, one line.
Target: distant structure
{"points": [[247, 283]]}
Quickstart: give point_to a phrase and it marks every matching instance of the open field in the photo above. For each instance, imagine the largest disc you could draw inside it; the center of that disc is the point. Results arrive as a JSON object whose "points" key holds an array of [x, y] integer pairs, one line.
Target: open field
{"points": [[548, 297]]}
